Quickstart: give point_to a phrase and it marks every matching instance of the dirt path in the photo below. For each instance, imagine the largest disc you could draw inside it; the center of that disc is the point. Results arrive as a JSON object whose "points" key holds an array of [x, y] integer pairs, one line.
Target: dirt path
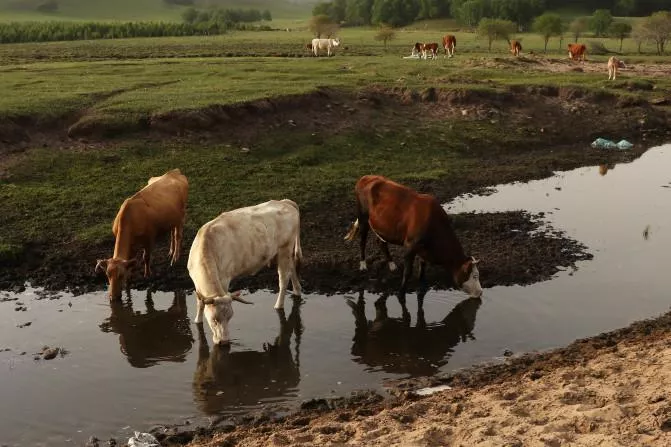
{"points": [[610, 390]]}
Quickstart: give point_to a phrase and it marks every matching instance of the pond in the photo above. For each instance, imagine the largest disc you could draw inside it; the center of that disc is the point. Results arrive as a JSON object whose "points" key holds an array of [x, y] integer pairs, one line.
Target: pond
{"points": [[128, 367]]}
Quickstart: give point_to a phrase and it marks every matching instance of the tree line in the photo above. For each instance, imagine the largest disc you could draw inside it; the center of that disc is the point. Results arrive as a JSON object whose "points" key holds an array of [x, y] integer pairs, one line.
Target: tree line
{"points": [[468, 12]]}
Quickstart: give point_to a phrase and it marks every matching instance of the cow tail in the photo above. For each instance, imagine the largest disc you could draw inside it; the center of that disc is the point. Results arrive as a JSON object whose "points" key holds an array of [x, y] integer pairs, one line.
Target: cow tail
{"points": [[298, 252], [353, 231]]}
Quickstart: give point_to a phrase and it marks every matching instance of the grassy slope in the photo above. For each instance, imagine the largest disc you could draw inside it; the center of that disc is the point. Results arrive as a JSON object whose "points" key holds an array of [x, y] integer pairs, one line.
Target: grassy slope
{"points": [[136, 9]]}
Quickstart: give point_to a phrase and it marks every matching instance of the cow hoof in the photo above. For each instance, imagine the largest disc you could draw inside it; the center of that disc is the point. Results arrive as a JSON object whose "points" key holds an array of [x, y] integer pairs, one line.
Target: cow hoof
{"points": [[392, 266], [362, 266]]}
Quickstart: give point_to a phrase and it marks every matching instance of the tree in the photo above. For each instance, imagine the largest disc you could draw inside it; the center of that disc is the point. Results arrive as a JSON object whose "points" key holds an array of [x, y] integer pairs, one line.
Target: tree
{"points": [[578, 27], [495, 29], [471, 12], [385, 34], [358, 12], [190, 15], [548, 25], [600, 21], [640, 35], [624, 8], [395, 12], [522, 12], [322, 25], [265, 15], [619, 30], [658, 29]]}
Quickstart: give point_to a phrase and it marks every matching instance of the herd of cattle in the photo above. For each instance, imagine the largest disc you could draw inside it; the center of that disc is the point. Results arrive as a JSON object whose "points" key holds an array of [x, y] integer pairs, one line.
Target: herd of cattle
{"points": [[243, 241], [576, 51]]}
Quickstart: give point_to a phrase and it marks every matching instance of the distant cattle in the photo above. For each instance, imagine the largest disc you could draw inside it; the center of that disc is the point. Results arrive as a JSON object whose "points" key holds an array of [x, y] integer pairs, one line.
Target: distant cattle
{"points": [[400, 216], [324, 44], [515, 47], [449, 44], [158, 208], [613, 65], [242, 242], [577, 51], [308, 46], [430, 48]]}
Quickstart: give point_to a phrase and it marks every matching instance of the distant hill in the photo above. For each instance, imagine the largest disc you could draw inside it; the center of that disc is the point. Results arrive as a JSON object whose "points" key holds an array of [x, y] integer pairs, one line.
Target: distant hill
{"points": [[138, 9]]}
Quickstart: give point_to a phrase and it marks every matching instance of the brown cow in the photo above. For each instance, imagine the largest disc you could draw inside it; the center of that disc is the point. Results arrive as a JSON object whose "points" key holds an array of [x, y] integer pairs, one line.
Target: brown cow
{"points": [[158, 208], [577, 51], [430, 47], [400, 216], [449, 44], [515, 47]]}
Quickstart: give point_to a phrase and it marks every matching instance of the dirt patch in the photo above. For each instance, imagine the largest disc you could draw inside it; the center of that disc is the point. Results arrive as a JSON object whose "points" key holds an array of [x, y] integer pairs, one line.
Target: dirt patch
{"points": [[550, 130], [610, 389]]}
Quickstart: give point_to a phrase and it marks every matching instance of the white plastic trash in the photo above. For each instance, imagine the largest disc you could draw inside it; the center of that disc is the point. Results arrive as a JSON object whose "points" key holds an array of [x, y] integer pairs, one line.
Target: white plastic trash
{"points": [[602, 143], [432, 389], [143, 440], [624, 144]]}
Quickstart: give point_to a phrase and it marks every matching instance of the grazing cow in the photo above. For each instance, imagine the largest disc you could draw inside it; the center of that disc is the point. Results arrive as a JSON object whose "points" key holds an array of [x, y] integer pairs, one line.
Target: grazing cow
{"points": [[417, 48], [400, 216], [613, 65], [224, 379], [515, 47], [449, 44], [242, 242], [577, 51], [158, 208], [430, 47], [324, 44], [153, 337]]}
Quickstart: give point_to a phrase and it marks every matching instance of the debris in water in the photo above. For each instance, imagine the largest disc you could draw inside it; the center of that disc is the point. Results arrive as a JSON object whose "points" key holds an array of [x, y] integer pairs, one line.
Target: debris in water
{"points": [[646, 232], [143, 440], [432, 390], [21, 326]]}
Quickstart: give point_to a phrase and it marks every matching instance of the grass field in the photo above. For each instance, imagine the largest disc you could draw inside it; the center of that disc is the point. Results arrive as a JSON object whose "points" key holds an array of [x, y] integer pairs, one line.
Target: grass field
{"points": [[134, 10]]}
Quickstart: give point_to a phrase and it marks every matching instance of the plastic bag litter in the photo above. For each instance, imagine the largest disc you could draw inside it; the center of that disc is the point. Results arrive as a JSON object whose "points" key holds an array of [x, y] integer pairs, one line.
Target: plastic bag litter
{"points": [[602, 143], [143, 440], [624, 144], [432, 389]]}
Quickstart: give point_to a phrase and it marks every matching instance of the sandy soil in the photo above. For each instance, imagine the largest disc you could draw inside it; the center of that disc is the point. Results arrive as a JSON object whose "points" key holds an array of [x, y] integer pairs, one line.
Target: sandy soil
{"points": [[612, 390]]}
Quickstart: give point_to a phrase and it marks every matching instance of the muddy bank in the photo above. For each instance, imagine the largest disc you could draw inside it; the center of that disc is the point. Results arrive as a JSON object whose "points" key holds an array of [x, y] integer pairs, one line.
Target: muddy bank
{"points": [[547, 133], [611, 389]]}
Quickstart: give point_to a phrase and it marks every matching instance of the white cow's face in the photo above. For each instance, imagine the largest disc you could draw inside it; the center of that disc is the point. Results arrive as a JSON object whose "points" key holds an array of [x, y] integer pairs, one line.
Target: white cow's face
{"points": [[470, 272], [218, 313]]}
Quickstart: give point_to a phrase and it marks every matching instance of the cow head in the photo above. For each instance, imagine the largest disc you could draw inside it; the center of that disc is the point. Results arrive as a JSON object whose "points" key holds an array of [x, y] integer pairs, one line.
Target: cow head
{"points": [[118, 273], [467, 278], [335, 42], [218, 311]]}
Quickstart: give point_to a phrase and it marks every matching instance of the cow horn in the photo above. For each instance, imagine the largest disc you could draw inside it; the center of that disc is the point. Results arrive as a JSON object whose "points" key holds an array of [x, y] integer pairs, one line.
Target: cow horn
{"points": [[475, 261], [236, 297], [99, 266]]}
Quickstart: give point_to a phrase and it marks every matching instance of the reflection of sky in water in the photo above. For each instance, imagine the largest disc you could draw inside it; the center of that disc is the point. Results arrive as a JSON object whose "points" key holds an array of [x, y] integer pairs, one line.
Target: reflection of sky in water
{"points": [[129, 369]]}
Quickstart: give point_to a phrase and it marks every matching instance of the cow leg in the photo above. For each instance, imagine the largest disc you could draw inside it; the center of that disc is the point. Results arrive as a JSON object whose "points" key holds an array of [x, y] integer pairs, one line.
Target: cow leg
{"points": [[422, 271], [283, 272], [179, 232], [364, 226], [295, 280], [146, 258], [387, 256], [199, 311], [409, 259]]}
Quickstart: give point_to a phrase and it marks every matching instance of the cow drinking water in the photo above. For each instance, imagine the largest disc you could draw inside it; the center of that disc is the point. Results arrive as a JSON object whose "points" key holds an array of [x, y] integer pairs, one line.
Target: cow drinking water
{"points": [[159, 207], [242, 242], [400, 216]]}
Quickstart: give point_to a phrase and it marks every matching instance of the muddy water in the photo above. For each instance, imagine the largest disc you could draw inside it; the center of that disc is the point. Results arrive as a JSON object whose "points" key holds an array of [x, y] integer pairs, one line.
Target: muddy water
{"points": [[131, 367]]}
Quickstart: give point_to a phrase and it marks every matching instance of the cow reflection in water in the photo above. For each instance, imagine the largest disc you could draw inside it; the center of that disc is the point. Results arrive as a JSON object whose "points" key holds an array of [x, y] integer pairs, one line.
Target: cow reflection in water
{"points": [[155, 336], [394, 346], [224, 380]]}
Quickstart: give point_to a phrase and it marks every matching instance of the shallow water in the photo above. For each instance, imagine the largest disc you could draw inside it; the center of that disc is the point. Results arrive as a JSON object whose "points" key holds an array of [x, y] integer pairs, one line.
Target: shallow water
{"points": [[131, 368]]}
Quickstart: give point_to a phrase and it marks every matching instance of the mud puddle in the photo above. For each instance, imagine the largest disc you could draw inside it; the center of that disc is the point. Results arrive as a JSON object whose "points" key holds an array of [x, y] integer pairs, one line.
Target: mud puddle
{"points": [[124, 369]]}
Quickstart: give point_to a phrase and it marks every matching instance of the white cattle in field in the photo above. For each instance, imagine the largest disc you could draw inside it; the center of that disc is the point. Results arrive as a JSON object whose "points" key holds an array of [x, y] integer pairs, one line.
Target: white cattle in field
{"points": [[324, 44], [242, 242]]}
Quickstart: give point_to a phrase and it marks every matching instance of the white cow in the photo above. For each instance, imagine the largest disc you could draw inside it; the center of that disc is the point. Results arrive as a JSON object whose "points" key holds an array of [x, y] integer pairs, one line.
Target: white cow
{"points": [[242, 242], [324, 44]]}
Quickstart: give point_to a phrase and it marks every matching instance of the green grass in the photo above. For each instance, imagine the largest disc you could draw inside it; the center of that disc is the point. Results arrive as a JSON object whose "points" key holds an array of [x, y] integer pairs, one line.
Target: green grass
{"points": [[134, 10]]}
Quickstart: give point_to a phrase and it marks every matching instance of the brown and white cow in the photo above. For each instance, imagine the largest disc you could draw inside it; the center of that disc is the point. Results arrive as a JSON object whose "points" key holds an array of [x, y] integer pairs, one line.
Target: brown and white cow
{"points": [[399, 215], [515, 47], [431, 48], [242, 242], [449, 44], [613, 65], [158, 208], [577, 51]]}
